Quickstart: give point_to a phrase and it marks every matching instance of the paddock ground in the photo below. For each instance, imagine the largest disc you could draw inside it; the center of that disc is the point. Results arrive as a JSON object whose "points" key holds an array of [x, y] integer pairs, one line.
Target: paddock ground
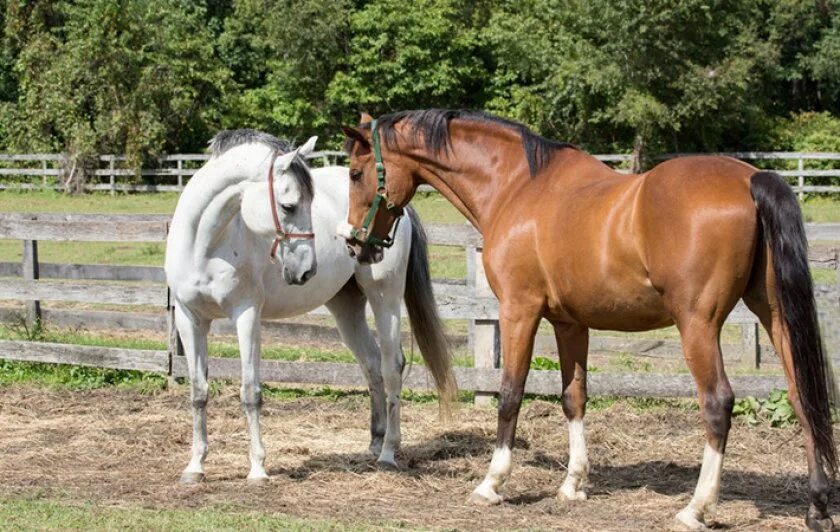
{"points": [[72, 457]]}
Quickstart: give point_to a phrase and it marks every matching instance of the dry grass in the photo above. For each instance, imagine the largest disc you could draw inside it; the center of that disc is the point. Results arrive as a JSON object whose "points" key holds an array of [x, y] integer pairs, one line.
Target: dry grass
{"points": [[126, 449]]}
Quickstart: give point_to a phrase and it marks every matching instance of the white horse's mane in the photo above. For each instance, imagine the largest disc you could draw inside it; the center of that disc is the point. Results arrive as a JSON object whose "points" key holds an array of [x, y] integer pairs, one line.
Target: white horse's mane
{"points": [[211, 198]]}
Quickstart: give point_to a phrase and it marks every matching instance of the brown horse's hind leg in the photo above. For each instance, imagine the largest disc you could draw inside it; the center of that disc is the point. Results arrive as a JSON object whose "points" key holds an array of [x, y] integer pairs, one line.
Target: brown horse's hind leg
{"points": [[701, 347], [573, 347], [768, 313], [517, 326]]}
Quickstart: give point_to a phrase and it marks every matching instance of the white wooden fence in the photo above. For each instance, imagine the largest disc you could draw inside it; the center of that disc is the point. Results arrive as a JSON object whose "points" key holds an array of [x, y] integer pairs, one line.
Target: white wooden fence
{"points": [[468, 300], [43, 170]]}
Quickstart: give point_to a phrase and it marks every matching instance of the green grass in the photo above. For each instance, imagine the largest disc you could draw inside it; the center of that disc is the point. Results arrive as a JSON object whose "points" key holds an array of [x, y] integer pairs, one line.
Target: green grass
{"points": [[216, 349], [91, 203], [821, 209], [35, 514]]}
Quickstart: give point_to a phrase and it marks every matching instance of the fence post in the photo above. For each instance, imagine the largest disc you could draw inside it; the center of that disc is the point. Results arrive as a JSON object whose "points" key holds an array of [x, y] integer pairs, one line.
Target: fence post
{"points": [[180, 174], [801, 177], [749, 343], [486, 338], [471, 258], [30, 273], [44, 176], [112, 177]]}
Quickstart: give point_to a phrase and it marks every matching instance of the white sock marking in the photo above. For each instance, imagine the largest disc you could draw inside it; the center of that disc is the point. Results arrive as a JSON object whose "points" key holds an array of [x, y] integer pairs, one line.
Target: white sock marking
{"points": [[706, 493], [578, 471], [500, 467]]}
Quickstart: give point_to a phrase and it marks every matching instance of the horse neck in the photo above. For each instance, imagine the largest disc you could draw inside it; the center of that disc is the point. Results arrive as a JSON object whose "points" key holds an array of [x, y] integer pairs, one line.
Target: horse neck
{"points": [[484, 165], [210, 199]]}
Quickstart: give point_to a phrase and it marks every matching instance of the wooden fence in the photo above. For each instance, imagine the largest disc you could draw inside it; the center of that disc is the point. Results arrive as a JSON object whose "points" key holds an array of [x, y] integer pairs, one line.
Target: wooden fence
{"points": [[465, 299], [43, 170]]}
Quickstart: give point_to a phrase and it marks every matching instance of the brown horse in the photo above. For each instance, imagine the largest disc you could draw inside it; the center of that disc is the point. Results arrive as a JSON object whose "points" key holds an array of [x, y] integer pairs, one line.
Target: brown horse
{"points": [[568, 239]]}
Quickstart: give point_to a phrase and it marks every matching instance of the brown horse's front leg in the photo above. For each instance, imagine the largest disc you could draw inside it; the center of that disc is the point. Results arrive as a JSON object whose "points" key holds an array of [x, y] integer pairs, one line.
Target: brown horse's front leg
{"points": [[517, 327]]}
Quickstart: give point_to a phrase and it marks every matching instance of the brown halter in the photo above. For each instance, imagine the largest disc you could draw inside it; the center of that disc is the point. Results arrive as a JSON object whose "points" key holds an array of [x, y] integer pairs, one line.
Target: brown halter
{"points": [[279, 233]]}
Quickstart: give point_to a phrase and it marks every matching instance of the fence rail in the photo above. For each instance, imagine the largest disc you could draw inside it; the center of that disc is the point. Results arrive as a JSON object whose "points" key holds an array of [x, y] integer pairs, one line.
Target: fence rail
{"points": [[173, 171], [469, 299]]}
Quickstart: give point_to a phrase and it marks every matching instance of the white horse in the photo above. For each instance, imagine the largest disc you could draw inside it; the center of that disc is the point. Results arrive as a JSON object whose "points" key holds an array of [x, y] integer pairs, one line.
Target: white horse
{"points": [[218, 265]]}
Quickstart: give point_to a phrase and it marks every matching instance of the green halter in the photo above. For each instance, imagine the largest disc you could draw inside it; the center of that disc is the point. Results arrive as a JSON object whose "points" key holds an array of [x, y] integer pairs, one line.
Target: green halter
{"points": [[363, 234]]}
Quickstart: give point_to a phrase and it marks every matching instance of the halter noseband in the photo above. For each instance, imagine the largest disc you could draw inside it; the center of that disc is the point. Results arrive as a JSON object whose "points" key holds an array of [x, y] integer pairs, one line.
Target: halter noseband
{"points": [[363, 234], [279, 233]]}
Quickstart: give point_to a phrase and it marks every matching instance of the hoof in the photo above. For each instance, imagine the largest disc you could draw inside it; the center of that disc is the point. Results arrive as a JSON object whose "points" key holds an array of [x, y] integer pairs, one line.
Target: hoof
{"points": [[571, 494], [817, 524], [686, 520], [257, 480], [189, 479], [484, 499], [375, 448], [386, 465]]}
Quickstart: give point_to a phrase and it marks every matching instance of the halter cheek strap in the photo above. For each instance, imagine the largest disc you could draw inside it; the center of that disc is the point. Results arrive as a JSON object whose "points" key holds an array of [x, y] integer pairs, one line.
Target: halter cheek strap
{"points": [[279, 233], [362, 234]]}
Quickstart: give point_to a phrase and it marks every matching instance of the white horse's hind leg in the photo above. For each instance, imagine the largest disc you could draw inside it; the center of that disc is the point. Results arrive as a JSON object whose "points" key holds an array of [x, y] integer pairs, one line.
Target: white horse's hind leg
{"points": [[386, 311], [248, 332], [194, 338], [348, 308]]}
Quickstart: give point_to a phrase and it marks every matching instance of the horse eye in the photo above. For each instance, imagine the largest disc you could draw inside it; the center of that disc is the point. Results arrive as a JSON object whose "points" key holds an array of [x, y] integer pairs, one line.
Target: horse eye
{"points": [[288, 208], [355, 174]]}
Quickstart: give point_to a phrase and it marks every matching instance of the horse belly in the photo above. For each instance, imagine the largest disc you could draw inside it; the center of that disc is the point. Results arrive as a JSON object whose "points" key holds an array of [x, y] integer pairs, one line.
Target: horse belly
{"points": [[639, 308]]}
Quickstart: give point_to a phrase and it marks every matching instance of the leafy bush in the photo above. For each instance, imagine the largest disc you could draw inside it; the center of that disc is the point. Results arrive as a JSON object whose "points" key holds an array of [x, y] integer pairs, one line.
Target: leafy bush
{"points": [[775, 410]]}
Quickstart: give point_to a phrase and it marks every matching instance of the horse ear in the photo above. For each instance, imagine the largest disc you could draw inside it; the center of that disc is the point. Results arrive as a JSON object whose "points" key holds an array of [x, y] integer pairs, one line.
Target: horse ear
{"points": [[355, 134], [308, 147], [285, 161], [365, 118]]}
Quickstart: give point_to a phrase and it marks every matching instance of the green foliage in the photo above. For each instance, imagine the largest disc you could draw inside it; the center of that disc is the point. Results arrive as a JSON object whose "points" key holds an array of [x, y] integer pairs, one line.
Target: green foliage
{"points": [[110, 76], [545, 363], [142, 78], [283, 55], [775, 410], [410, 55], [808, 131]]}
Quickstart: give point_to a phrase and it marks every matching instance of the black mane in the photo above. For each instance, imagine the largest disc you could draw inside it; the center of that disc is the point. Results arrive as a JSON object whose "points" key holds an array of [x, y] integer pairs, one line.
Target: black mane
{"points": [[228, 139], [433, 125]]}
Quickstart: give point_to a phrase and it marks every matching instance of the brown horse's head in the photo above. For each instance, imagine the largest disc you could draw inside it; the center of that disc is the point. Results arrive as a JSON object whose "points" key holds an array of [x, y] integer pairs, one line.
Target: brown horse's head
{"points": [[377, 198]]}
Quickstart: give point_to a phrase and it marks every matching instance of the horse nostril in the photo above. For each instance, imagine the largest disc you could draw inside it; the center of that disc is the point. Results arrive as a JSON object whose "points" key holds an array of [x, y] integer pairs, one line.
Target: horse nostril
{"points": [[351, 251]]}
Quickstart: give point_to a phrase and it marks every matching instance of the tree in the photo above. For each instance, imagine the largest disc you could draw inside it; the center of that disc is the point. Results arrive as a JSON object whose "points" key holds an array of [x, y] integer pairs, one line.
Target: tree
{"points": [[117, 76], [610, 74], [284, 54], [408, 55]]}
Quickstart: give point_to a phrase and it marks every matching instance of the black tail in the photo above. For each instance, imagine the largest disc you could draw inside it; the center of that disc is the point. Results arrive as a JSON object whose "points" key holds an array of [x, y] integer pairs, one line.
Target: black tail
{"points": [[423, 315], [784, 234]]}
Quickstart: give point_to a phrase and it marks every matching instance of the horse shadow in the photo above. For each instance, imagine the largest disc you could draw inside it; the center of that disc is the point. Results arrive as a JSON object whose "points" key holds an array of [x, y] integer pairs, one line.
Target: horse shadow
{"points": [[415, 460], [773, 495]]}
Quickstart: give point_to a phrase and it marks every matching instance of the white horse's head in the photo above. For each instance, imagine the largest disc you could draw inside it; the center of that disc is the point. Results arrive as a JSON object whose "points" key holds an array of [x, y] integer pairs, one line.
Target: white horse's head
{"points": [[293, 194]]}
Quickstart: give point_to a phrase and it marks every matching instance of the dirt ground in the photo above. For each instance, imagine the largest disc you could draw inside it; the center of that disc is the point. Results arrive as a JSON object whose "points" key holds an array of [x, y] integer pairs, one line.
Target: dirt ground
{"points": [[126, 449]]}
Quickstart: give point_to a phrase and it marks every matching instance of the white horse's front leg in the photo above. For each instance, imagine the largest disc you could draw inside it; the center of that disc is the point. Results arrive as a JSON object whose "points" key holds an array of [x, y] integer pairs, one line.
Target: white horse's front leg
{"points": [[387, 316], [248, 332], [194, 338]]}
